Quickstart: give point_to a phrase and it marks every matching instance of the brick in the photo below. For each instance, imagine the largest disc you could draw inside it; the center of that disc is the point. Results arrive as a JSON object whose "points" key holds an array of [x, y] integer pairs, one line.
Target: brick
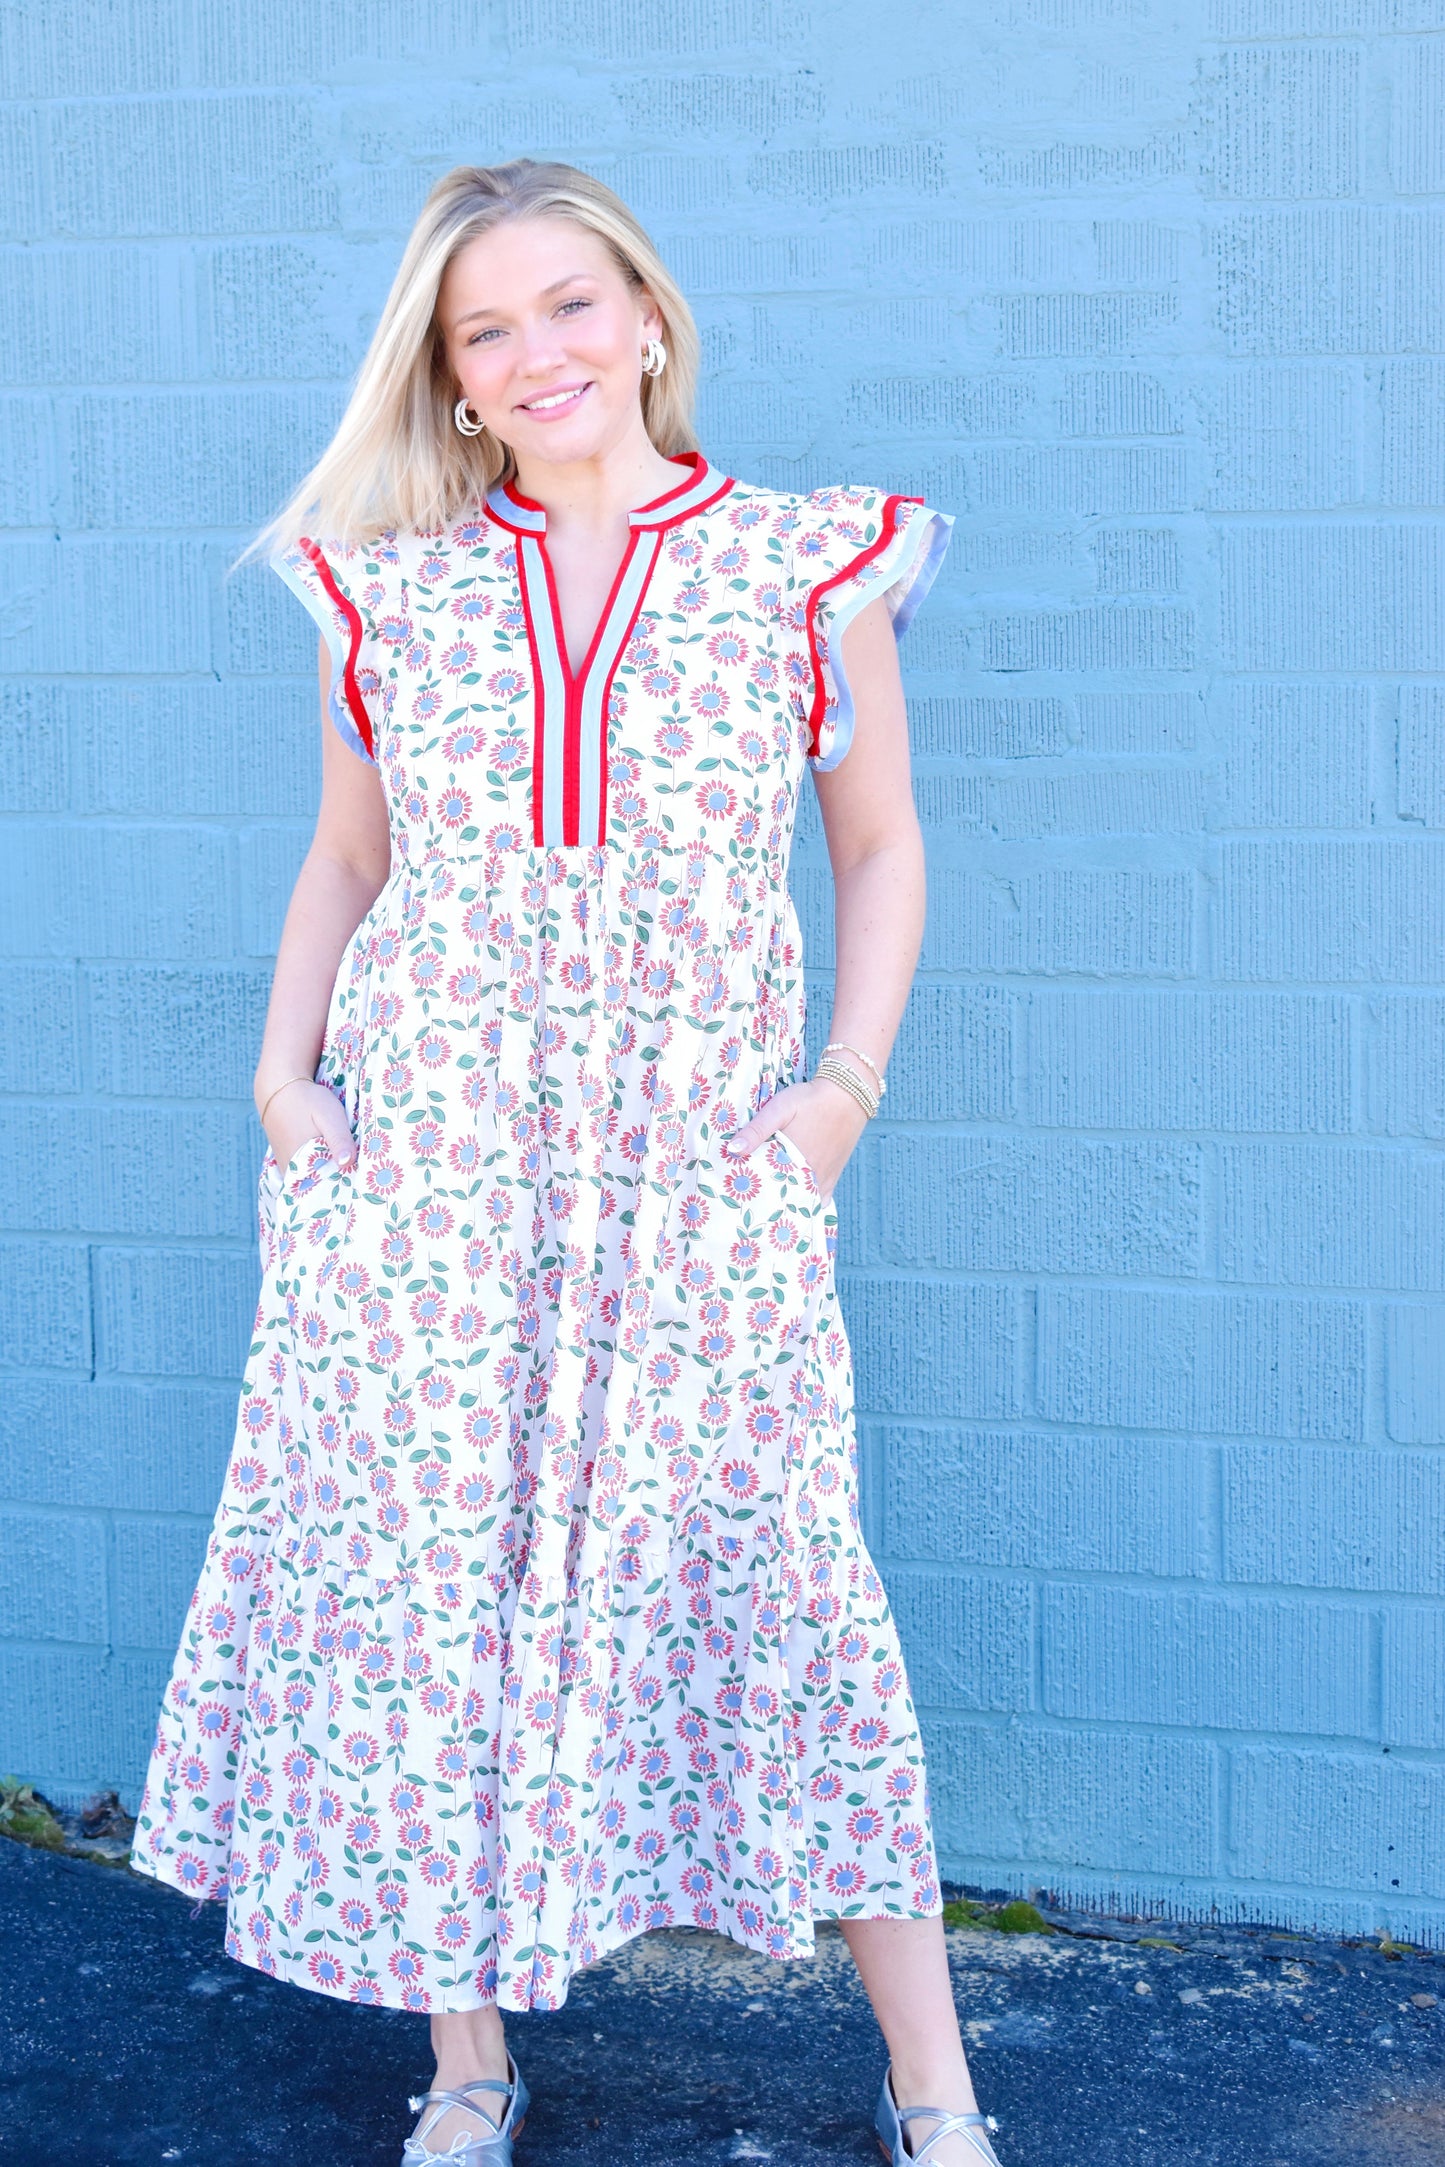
{"points": [[1336, 1820], [963, 406], [1037, 326], [1107, 1800], [967, 1638], [1194, 1061], [147, 606], [1281, 439], [1408, 1081], [320, 301], [634, 30], [145, 1447], [1104, 924], [1315, 1215], [761, 413], [1119, 402], [128, 1170], [1135, 252], [953, 803], [1300, 910], [286, 46], [1096, 636], [1098, 801], [71, 889], [40, 1045], [954, 1056], [823, 175], [270, 861], [935, 1347], [52, 1576], [1412, 405], [168, 459], [676, 108], [1079, 478], [1299, 755], [1136, 560], [77, 1723], [27, 480], [246, 162], [44, 1305], [988, 727], [1285, 120], [1138, 722], [144, 298], [1415, 1373], [1044, 1504], [1064, 169], [173, 1312], [1000, 1204], [156, 1561], [752, 262], [200, 1037], [1353, 279], [1253, 1365], [1329, 1517], [1413, 1677], [1421, 754], [1344, 597], [232, 750], [1140, 1655], [985, 252], [35, 777], [1321, 18], [1417, 97]]}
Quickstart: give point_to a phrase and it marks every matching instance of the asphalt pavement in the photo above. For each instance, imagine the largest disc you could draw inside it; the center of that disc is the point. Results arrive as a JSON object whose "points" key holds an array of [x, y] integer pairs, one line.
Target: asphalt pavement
{"points": [[129, 2038]]}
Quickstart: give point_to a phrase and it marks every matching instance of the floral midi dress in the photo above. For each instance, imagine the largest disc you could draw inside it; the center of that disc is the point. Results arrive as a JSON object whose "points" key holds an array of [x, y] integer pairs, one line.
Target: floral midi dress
{"points": [[536, 1612]]}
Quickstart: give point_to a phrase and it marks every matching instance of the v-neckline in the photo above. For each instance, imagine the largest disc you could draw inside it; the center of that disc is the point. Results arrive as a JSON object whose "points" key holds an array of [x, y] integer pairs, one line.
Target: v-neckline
{"points": [[570, 707]]}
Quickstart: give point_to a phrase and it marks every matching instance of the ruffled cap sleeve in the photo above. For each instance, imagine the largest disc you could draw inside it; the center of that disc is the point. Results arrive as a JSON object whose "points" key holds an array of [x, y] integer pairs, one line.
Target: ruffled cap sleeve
{"points": [[847, 547], [340, 586]]}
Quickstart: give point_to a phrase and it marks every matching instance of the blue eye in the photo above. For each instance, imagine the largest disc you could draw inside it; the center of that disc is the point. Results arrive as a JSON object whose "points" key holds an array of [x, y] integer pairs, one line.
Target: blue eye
{"points": [[485, 334]]}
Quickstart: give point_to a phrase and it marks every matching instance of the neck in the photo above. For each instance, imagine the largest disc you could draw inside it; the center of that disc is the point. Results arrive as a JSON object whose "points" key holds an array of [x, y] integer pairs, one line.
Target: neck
{"points": [[600, 491]]}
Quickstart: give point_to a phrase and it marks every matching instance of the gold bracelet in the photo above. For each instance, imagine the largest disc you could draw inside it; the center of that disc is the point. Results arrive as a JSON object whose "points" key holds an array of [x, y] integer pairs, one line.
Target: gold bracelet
{"points": [[848, 1079], [261, 1117], [842, 1045]]}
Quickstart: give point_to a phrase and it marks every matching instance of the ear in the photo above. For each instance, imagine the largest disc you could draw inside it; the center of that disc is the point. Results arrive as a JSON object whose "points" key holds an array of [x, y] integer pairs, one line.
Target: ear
{"points": [[652, 325]]}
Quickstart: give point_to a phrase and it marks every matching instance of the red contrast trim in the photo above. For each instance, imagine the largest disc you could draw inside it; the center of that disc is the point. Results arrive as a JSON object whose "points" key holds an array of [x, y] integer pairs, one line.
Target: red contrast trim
{"points": [[576, 685], [539, 737], [352, 615], [603, 779], [826, 586]]}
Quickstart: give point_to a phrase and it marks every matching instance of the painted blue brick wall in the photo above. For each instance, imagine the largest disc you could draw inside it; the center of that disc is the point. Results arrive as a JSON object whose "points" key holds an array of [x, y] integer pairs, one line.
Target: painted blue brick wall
{"points": [[1146, 1267]]}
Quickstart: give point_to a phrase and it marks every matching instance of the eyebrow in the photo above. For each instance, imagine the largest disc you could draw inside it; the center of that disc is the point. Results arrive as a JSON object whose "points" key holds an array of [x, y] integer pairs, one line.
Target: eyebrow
{"points": [[555, 287]]}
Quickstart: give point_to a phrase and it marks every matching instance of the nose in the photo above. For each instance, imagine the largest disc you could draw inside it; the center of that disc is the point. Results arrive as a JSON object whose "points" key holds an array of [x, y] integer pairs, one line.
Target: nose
{"points": [[543, 346]]}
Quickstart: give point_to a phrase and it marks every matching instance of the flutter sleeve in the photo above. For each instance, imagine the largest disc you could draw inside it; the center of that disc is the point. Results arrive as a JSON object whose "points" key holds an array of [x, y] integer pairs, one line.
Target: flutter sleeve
{"points": [[341, 588], [847, 547]]}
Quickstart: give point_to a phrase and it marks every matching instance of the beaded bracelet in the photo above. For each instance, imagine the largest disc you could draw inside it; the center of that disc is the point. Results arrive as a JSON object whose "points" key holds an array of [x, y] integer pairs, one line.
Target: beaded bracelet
{"points": [[847, 1077], [841, 1045]]}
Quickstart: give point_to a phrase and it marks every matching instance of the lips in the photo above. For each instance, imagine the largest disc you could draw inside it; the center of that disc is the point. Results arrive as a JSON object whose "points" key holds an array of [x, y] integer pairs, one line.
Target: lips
{"points": [[559, 399]]}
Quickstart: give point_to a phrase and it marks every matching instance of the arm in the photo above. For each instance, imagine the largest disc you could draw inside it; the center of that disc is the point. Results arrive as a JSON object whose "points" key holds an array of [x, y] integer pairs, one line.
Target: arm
{"points": [[343, 873], [876, 851]]}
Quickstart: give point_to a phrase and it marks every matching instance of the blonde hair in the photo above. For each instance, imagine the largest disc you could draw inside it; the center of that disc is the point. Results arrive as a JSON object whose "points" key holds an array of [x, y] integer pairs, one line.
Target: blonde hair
{"points": [[397, 459]]}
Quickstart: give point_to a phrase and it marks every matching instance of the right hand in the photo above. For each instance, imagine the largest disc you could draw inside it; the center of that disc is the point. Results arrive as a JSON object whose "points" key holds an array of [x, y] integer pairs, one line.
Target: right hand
{"points": [[301, 1110]]}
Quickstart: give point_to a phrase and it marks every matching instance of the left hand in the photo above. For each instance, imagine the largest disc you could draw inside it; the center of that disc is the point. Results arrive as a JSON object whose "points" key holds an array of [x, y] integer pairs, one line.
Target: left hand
{"points": [[821, 1121]]}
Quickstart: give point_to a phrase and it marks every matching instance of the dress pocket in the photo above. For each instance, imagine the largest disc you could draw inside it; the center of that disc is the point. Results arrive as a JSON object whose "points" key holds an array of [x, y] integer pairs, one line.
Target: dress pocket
{"points": [[795, 1155]]}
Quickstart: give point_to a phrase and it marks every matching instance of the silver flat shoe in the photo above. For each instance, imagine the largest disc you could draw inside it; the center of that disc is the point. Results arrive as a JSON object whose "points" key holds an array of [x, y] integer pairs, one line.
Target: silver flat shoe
{"points": [[492, 2150], [891, 2118]]}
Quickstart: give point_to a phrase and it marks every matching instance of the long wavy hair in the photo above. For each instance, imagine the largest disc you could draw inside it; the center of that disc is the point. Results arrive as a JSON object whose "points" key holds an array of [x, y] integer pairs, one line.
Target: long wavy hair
{"points": [[397, 459]]}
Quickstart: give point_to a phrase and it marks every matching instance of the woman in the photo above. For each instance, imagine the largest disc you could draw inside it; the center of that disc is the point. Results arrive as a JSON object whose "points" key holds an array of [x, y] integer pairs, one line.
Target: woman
{"points": [[536, 1611]]}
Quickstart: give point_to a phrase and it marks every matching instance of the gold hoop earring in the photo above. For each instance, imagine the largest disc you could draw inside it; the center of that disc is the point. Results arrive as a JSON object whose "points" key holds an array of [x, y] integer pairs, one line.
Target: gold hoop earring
{"points": [[654, 358], [462, 416]]}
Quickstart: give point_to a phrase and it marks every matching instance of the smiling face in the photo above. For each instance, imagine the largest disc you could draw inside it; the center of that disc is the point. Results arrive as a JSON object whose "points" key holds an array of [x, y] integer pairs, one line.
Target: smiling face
{"points": [[545, 337]]}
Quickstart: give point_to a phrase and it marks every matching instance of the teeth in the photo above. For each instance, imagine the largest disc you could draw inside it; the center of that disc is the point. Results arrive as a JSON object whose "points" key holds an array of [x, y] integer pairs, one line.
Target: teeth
{"points": [[556, 398]]}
